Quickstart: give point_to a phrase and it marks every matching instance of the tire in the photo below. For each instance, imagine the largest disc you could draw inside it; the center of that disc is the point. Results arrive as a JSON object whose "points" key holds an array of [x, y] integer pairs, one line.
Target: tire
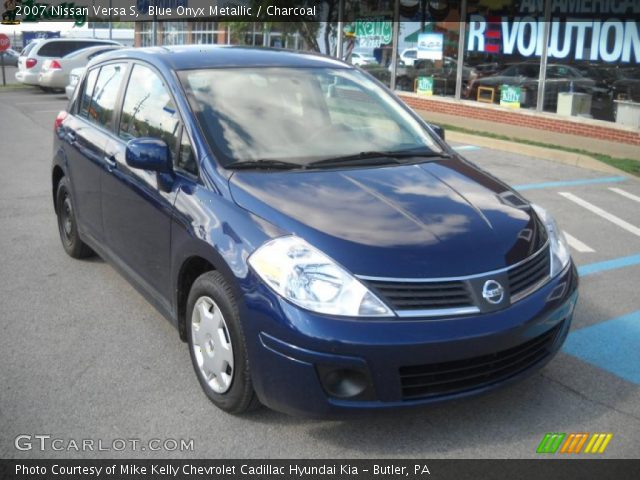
{"points": [[67, 225], [217, 345]]}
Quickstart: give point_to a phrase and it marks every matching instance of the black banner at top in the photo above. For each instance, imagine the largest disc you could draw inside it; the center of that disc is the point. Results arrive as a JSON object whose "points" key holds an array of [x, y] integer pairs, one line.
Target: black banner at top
{"points": [[81, 11]]}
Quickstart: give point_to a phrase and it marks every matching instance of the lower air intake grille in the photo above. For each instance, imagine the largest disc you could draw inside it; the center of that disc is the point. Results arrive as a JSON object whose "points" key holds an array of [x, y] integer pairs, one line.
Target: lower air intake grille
{"points": [[439, 379]]}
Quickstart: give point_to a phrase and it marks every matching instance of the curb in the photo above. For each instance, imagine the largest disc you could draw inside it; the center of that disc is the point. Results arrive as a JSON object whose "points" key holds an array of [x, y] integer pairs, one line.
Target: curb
{"points": [[559, 156]]}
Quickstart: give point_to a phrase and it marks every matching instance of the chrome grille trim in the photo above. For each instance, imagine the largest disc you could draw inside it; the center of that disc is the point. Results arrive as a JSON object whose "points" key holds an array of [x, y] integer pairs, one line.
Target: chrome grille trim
{"points": [[462, 310], [453, 279]]}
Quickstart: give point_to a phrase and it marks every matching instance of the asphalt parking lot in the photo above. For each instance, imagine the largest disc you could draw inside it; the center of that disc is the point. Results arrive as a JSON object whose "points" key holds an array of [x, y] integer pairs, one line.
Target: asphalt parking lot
{"points": [[83, 355]]}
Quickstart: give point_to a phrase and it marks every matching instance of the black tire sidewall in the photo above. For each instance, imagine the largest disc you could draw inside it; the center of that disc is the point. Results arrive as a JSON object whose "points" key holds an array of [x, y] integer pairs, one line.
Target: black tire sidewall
{"points": [[239, 397], [74, 245]]}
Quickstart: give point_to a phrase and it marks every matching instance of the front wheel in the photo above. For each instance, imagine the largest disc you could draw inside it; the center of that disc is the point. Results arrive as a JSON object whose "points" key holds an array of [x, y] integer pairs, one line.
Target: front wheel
{"points": [[217, 344], [67, 225]]}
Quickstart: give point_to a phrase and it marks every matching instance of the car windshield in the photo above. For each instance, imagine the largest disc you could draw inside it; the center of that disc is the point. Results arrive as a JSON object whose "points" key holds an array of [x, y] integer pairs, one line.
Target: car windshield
{"points": [[299, 115]]}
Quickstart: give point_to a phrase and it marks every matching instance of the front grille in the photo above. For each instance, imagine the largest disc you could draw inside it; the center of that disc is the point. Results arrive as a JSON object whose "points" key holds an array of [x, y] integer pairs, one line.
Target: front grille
{"points": [[529, 274], [423, 295], [439, 379]]}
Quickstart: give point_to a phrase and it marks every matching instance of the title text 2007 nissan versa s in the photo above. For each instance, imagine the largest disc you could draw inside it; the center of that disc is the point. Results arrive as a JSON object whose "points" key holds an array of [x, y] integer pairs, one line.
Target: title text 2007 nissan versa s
{"points": [[316, 243]]}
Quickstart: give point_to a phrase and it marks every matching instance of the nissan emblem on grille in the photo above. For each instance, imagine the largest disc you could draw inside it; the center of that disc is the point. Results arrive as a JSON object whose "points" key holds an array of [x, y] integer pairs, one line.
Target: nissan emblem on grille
{"points": [[492, 292]]}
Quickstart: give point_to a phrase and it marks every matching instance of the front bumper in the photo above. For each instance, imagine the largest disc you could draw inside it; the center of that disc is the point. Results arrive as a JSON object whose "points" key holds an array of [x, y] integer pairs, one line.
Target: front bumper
{"points": [[290, 349]]}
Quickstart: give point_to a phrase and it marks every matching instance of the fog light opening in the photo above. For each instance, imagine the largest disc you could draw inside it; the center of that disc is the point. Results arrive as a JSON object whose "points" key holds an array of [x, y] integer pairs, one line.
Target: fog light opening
{"points": [[343, 382]]}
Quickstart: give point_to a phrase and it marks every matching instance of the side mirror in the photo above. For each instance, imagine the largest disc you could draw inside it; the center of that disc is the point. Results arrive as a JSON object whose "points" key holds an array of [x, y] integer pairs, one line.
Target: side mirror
{"points": [[438, 129], [149, 154]]}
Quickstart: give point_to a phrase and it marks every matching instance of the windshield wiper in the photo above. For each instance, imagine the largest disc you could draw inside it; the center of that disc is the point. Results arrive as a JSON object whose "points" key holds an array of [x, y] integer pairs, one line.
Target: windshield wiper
{"points": [[264, 164], [377, 158]]}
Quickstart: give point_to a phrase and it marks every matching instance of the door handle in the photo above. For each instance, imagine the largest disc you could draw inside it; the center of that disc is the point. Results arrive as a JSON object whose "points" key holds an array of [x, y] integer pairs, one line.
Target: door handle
{"points": [[110, 160]]}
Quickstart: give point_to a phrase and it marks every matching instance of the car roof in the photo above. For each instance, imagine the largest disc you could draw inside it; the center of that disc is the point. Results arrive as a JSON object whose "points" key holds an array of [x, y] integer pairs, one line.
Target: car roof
{"points": [[93, 48], [186, 57]]}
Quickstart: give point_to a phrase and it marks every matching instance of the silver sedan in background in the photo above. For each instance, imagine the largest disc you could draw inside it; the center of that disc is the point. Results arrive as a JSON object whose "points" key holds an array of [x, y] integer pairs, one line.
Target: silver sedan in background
{"points": [[55, 71]]}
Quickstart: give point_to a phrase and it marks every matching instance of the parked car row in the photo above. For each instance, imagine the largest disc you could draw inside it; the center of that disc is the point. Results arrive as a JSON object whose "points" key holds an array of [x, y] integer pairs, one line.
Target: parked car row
{"points": [[9, 57], [47, 63]]}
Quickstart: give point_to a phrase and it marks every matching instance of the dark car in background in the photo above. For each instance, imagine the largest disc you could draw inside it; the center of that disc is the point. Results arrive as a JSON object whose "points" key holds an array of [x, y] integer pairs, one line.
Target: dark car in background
{"points": [[9, 57], [315, 243], [559, 78]]}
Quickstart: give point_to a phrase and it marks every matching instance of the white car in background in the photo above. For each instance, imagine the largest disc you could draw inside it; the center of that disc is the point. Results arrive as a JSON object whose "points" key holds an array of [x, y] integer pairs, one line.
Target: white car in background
{"points": [[55, 72], [409, 56], [34, 55], [359, 59], [74, 78]]}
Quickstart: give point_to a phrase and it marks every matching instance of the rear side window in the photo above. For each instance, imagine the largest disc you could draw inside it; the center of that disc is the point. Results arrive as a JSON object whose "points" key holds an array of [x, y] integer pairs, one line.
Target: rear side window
{"points": [[105, 94], [60, 49], [87, 93], [148, 109], [27, 49], [53, 49]]}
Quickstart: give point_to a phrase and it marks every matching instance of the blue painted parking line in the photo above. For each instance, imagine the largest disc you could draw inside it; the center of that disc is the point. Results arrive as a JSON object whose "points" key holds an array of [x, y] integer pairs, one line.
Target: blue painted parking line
{"points": [[611, 345], [466, 147], [591, 268], [568, 183]]}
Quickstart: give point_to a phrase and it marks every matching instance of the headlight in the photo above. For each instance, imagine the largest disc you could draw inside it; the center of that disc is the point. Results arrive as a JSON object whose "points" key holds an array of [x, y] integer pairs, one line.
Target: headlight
{"points": [[560, 255], [308, 278]]}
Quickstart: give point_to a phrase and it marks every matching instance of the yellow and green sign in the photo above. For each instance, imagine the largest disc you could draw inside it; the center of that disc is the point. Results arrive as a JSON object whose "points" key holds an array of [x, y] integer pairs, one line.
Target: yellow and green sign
{"points": [[510, 96], [424, 86], [574, 443]]}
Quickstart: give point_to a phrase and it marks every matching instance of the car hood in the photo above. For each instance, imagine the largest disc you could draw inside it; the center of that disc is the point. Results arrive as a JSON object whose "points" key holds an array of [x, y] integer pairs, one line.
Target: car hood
{"points": [[437, 219]]}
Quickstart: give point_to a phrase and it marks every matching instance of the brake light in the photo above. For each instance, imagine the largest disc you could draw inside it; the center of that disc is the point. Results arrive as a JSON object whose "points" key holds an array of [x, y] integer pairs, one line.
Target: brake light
{"points": [[31, 62], [55, 64], [59, 119]]}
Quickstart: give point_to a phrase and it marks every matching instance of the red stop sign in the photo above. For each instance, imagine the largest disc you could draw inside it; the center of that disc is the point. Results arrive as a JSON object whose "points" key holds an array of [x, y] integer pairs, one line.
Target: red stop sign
{"points": [[4, 42]]}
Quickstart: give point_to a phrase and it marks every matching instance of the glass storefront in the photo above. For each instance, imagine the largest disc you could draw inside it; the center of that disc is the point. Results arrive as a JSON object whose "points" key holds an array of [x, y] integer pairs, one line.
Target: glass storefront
{"points": [[490, 52]]}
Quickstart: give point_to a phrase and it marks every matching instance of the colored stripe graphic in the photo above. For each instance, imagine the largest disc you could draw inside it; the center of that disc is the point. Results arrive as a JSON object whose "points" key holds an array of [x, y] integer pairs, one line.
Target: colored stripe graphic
{"points": [[598, 443], [550, 442], [574, 443]]}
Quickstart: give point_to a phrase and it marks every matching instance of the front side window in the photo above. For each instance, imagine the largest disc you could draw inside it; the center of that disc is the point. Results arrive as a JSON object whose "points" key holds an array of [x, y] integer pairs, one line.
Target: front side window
{"points": [[298, 114], [105, 94], [148, 109]]}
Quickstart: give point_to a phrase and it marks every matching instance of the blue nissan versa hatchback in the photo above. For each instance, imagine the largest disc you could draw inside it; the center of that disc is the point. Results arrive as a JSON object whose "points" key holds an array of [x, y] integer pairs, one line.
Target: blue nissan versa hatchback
{"points": [[318, 246]]}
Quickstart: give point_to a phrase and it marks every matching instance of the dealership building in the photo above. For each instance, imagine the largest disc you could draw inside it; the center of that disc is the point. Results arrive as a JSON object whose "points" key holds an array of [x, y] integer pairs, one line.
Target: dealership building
{"points": [[555, 65]]}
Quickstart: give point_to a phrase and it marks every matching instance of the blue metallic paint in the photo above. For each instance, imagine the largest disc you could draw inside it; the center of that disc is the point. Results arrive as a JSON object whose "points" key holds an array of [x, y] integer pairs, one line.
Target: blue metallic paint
{"points": [[443, 218]]}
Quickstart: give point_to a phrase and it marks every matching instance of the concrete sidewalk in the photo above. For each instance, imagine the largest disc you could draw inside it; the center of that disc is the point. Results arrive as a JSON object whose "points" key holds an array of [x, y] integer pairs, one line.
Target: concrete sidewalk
{"points": [[613, 149]]}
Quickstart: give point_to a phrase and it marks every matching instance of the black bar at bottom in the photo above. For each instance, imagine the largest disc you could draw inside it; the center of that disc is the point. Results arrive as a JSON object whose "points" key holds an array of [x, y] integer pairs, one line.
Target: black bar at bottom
{"points": [[329, 469]]}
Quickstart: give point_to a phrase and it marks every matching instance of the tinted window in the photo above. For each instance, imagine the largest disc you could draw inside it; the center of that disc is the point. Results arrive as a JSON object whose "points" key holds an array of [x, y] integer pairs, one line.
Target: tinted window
{"points": [[148, 110], [87, 92], [60, 48], [54, 49], [103, 100]]}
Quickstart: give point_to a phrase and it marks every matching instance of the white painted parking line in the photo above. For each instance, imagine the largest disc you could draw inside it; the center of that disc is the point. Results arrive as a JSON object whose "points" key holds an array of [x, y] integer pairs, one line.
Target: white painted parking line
{"points": [[38, 103], [602, 213], [577, 245], [624, 193]]}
